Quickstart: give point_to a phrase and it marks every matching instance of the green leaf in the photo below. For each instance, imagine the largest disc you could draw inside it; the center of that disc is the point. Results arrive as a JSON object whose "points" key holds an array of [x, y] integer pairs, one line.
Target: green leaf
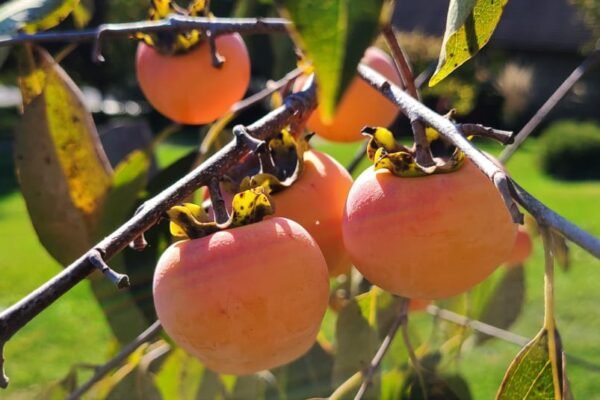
{"points": [[506, 301], [308, 376], [33, 15], [538, 370], [334, 34], [357, 338], [62, 169], [180, 376], [469, 26], [436, 386], [129, 179], [391, 384]]}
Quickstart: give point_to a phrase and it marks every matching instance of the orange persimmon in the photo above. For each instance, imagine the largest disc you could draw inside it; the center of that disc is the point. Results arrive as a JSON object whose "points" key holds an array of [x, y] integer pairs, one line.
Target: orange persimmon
{"points": [[245, 299]]}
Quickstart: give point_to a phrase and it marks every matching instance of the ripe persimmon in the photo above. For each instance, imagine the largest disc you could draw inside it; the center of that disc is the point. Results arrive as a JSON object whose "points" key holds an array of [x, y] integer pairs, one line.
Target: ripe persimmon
{"points": [[427, 237], [245, 299], [316, 201], [521, 249], [360, 104], [187, 88]]}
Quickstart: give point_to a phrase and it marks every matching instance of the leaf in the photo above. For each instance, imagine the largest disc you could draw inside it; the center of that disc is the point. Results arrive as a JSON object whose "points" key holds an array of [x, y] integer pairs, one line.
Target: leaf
{"points": [[357, 338], [537, 372], [62, 169], [129, 179], [83, 13], [506, 301], [180, 376], [560, 250], [469, 26], [308, 376], [33, 15], [437, 387], [334, 34]]}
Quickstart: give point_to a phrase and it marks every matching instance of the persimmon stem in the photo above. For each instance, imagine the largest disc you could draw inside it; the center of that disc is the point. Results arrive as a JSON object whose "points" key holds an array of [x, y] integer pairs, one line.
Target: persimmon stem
{"points": [[422, 150], [217, 59], [218, 204]]}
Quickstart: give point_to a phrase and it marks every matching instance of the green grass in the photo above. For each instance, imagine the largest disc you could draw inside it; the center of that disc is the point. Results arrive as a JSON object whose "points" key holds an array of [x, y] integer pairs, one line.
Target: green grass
{"points": [[73, 329]]}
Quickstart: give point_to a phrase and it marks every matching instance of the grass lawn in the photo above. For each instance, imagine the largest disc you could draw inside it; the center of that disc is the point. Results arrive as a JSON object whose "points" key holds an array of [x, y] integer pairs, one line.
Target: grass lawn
{"points": [[73, 329]]}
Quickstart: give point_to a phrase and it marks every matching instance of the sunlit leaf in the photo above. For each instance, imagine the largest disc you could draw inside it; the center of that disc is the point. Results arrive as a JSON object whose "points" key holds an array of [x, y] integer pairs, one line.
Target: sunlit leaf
{"points": [[180, 376], [62, 169], [334, 34], [33, 15], [469, 26], [537, 372], [83, 13]]}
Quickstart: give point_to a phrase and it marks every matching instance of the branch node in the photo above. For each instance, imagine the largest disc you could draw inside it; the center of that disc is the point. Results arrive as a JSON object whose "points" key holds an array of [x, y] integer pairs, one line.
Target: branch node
{"points": [[97, 56], [139, 243], [120, 280], [243, 138], [504, 137], [502, 183], [217, 59]]}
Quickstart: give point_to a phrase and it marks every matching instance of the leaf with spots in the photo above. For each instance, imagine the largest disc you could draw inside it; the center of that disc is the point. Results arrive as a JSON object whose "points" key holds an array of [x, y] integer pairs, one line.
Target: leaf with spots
{"points": [[61, 166], [469, 26], [334, 34], [537, 372], [33, 15]]}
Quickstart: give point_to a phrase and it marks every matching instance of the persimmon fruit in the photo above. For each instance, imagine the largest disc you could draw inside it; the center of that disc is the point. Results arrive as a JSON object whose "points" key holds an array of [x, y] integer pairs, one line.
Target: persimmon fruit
{"points": [[187, 88], [522, 248], [427, 237], [316, 201], [360, 104], [246, 299]]}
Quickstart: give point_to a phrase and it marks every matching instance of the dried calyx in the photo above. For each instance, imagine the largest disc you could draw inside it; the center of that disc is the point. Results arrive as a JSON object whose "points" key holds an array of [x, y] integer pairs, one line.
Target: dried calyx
{"points": [[272, 168]]}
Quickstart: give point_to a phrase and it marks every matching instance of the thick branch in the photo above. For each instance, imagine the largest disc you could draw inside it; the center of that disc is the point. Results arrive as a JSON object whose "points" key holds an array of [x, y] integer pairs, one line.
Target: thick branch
{"points": [[174, 22], [117, 360], [18, 315]]}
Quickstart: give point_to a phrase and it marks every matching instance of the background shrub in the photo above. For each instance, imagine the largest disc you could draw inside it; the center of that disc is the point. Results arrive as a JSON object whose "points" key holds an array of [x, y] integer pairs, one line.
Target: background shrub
{"points": [[571, 150]]}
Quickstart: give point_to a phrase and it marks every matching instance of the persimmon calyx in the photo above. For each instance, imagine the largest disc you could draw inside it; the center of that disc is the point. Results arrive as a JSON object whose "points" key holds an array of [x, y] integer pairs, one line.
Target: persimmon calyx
{"points": [[281, 163], [190, 221], [169, 42], [386, 153]]}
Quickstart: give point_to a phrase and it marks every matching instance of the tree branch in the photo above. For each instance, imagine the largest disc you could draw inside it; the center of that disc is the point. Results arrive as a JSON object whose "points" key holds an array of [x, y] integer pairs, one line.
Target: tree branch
{"points": [[117, 360], [400, 320], [591, 61], [18, 315], [173, 22]]}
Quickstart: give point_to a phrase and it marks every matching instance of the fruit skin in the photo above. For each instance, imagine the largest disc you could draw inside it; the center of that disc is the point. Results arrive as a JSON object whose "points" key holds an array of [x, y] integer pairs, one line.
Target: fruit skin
{"points": [[522, 248], [187, 88], [245, 299], [360, 104], [430, 237], [316, 201]]}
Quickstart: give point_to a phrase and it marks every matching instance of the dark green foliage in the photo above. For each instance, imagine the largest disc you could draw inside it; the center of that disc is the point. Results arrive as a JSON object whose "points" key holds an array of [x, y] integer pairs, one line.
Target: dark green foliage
{"points": [[571, 150]]}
